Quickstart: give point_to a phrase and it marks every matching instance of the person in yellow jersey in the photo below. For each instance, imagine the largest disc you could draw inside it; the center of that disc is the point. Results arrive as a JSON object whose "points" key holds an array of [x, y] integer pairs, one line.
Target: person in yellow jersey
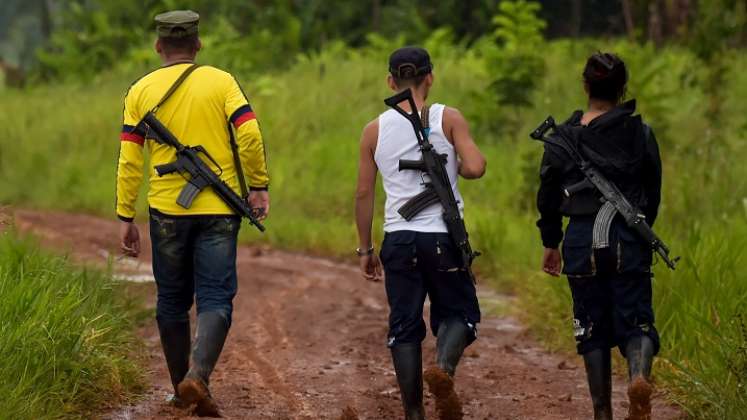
{"points": [[194, 250]]}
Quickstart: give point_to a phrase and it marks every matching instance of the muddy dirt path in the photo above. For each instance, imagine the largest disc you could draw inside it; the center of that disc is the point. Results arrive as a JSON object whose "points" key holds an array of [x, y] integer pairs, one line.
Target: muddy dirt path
{"points": [[309, 336]]}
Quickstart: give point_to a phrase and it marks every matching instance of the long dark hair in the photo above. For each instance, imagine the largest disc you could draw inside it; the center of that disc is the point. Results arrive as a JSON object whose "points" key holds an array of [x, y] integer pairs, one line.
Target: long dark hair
{"points": [[606, 77]]}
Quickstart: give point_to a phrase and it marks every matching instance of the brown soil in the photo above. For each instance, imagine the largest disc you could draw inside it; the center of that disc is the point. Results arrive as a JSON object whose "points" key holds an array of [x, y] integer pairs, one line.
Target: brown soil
{"points": [[309, 342]]}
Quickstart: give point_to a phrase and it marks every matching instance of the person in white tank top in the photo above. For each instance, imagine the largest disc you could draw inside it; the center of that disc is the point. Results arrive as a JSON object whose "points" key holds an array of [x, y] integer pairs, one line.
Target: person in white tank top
{"points": [[418, 256]]}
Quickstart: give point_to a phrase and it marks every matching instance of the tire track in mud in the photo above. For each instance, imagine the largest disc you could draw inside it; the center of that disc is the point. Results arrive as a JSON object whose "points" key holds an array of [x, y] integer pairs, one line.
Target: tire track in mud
{"points": [[308, 340]]}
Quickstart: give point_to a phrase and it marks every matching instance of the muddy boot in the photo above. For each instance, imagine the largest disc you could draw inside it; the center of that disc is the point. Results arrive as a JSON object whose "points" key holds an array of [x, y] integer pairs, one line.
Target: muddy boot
{"points": [[599, 374], [640, 354], [408, 365], [175, 342], [212, 329], [441, 385], [450, 344]]}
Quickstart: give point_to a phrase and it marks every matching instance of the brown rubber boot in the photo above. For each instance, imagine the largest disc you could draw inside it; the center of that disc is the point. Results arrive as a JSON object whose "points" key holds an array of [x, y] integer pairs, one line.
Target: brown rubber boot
{"points": [[441, 386], [639, 393]]}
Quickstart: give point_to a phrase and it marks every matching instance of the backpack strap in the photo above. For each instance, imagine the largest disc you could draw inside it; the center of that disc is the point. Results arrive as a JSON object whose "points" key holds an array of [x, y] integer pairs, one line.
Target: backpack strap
{"points": [[178, 82]]}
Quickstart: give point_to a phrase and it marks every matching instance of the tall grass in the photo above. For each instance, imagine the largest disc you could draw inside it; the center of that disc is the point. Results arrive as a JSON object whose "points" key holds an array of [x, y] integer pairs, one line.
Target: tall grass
{"points": [[65, 341], [58, 148]]}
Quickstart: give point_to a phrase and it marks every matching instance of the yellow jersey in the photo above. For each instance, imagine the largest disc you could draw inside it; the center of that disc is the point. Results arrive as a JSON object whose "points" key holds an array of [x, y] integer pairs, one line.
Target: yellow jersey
{"points": [[198, 113]]}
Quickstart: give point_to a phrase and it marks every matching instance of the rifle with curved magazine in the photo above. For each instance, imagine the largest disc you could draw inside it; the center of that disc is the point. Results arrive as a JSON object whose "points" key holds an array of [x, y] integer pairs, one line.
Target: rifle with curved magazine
{"points": [[614, 202], [438, 188]]}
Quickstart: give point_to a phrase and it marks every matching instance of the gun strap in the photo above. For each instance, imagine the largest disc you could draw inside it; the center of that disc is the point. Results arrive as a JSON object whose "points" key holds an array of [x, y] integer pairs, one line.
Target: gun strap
{"points": [[425, 120], [232, 140], [237, 162], [178, 82]]}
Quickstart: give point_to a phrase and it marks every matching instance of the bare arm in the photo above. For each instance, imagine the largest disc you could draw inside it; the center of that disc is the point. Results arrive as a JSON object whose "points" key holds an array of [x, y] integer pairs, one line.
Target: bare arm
{"points": [[471, 161], [364, 201], [364, 197]]}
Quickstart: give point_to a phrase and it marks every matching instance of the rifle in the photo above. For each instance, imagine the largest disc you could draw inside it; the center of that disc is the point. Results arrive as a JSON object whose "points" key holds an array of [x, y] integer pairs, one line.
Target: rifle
{"points": [[438, 189], [201, 176], [614, 201]]}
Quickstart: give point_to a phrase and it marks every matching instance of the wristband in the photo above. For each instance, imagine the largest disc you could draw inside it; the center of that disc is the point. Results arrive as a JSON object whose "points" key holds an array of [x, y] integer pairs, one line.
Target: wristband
{"points": [[363, 253]]}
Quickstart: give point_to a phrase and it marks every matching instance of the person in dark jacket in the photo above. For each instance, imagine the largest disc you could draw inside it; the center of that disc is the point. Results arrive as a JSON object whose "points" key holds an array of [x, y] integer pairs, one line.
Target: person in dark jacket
{"points": [[611, 286]]}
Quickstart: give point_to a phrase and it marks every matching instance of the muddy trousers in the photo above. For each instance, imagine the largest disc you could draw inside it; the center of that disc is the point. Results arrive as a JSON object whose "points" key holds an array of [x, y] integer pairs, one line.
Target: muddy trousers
{"points": [[193, 257]]}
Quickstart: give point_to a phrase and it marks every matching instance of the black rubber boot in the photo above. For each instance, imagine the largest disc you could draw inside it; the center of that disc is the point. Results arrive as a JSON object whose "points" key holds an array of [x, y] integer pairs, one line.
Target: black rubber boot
{"points": [[599, 374], [212, 329], [640, 354], [450, 344], [175, 342], [408, 365]]}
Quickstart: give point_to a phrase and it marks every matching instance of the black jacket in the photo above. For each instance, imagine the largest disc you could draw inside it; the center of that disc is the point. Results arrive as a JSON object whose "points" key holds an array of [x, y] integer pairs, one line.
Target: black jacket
{"points": [[622, 147]]}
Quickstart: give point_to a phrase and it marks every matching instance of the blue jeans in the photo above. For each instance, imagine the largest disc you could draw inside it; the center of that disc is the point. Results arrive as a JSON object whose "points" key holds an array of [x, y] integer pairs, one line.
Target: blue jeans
{"points": [[194, 256]]}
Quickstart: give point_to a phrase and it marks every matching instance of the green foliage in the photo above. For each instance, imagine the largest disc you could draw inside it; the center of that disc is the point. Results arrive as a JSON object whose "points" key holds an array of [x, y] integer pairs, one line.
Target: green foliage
{"points": [[251, 37], [312, 115], [719, 24], [516, 62], [66, 344]]}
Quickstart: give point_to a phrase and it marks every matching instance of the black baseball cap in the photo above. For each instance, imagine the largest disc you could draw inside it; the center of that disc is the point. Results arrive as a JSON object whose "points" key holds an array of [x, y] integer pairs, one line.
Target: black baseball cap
{"points": [[410, 62]]}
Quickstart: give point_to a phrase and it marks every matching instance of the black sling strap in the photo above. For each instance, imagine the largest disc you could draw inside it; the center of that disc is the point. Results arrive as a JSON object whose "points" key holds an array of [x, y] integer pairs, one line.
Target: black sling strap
{"points": [[232, 140], [237, 162]]}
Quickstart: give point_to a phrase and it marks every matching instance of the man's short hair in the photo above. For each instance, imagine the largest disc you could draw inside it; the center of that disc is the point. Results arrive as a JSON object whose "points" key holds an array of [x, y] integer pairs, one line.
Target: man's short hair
{"points": [[409, 66], [186, 44]]}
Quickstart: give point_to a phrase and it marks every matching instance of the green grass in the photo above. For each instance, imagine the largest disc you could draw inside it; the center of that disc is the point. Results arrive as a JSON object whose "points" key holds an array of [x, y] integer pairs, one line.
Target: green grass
{"points": [[66, 338], [58, 148]]}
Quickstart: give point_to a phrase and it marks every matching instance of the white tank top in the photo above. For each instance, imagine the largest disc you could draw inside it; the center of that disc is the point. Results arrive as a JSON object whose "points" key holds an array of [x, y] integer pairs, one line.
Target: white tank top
{"points": [[397, 141]]}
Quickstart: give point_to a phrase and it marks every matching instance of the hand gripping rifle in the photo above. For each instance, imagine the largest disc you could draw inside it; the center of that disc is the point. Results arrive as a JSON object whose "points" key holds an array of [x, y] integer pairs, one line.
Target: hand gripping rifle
{"points": [[188, 161], [438, 188], [614, 201]]}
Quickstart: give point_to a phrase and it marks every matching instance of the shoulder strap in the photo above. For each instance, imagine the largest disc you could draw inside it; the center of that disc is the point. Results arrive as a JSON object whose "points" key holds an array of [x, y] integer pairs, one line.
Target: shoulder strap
{"points": [[237, 162], [232, 140], [175, 86], [425, 119]]}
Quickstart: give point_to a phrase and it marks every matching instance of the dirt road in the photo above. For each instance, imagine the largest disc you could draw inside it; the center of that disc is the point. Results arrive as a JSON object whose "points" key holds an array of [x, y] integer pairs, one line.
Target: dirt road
{"points": [[309, 336]]}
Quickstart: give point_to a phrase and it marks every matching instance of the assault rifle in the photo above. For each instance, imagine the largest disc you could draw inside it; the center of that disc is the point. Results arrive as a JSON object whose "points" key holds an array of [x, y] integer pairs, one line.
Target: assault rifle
{"points": [[614, 201], [438, 188], [188, 161]]}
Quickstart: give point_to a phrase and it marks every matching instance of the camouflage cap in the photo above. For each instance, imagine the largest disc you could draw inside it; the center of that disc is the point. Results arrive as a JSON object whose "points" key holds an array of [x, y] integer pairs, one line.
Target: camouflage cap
{"points": [[177, 23]]}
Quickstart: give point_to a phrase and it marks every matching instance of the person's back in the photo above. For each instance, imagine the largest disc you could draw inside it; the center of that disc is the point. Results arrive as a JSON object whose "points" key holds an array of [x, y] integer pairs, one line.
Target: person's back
{"points": [[608, 265], [194, 248], [396, 141], [197, 113], [419, 257]]}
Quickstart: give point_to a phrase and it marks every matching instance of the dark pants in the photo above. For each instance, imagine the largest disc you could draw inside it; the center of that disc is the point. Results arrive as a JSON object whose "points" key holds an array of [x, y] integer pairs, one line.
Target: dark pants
{"points": [[611, 287], [194, 256], [417, 264]]}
